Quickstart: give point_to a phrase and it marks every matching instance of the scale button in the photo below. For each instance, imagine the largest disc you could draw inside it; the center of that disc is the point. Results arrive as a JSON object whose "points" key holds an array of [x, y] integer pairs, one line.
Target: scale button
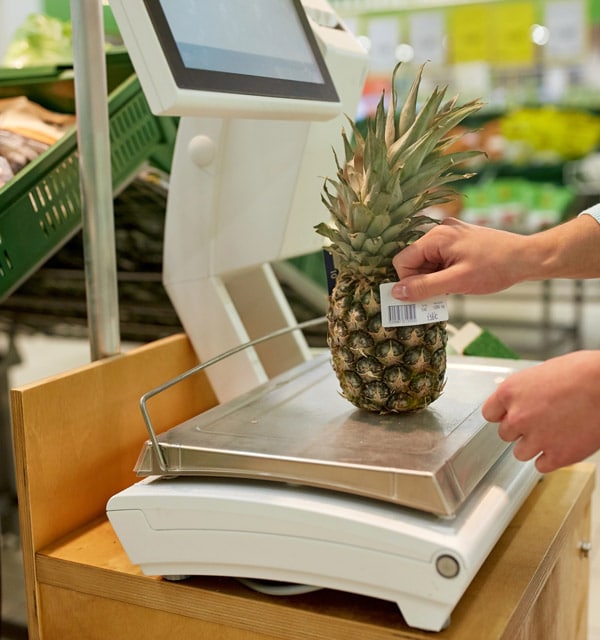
{"points": [[447, 566]]}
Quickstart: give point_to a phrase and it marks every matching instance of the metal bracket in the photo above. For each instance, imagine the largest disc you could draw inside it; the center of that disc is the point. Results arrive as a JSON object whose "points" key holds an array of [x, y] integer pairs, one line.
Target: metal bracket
{"points": [[162, 461]]}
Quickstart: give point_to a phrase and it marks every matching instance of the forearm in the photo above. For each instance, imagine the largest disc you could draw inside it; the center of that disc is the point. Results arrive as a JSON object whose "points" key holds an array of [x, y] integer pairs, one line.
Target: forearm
{"points": [[456, 257], [570, 250]]}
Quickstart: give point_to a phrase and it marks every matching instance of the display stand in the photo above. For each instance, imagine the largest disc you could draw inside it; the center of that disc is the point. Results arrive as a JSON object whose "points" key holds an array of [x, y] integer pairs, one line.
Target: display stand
{"points": [[77, 436]]}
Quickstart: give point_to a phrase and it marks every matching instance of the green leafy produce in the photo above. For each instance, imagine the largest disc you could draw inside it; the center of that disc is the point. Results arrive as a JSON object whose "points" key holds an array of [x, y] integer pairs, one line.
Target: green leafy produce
{"points": [[41, 40]]}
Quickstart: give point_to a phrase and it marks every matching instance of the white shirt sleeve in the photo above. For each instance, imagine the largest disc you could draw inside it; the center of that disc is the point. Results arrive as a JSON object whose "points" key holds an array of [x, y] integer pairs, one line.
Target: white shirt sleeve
{"points": [[593, 211]]}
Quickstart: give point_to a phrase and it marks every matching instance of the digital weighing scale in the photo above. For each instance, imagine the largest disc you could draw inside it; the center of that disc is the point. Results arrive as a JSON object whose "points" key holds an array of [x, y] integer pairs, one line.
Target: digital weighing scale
{"points": [[285, 484], [291, 483]]}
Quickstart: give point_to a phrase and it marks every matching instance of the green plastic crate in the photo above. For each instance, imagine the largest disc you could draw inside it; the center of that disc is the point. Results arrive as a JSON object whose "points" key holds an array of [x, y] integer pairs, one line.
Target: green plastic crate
{"points": [[53, 87], [40, 208]]}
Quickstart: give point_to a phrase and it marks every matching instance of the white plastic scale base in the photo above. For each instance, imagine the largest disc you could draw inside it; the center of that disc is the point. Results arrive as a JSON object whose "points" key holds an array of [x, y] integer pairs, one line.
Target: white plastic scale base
{"points": [[267, 530]]}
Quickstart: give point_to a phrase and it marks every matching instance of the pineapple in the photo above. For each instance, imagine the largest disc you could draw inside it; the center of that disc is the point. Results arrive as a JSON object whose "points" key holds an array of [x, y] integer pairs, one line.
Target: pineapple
{"points": [[390, 175]]}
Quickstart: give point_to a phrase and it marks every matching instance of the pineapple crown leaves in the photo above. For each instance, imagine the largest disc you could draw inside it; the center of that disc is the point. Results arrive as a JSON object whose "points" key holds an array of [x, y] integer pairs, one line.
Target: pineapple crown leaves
{"points": [[390, 174]]}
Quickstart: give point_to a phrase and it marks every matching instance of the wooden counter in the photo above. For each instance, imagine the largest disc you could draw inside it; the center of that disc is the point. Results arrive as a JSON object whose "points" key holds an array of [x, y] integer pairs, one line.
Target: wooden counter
{"points": [[77, 437]]}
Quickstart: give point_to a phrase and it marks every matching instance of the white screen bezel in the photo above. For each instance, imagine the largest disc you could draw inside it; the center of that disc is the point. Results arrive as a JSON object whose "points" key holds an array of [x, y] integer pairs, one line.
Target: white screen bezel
{"points": [[174, 89]]}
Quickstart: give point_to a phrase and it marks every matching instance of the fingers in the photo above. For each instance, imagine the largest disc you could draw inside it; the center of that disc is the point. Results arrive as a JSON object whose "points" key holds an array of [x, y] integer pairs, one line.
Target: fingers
{"points": [[525, 449], [426, 255], [409, 261], [418, 288], [493, 410], [428, 285], [431, 266], [545, 464], [525, 446]]}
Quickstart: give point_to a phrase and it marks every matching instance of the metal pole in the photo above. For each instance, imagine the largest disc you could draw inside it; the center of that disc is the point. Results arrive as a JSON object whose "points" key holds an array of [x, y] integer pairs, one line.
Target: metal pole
{"points": [[91, 99]]}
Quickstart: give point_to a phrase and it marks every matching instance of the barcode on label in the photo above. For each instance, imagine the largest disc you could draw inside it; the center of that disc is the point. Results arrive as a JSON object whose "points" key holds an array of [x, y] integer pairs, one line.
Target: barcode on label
{"points": [[406, 314], [401, 313]]}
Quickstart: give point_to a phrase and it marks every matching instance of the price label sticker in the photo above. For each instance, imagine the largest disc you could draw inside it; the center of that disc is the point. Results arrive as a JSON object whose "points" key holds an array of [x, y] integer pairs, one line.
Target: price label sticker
{"points": [[397, 313]]}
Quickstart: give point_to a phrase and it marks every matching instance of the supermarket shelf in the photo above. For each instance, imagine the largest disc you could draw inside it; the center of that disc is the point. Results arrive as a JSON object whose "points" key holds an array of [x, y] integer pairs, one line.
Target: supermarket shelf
{"points": [[40, 209], [53, 300], [541, 334]]}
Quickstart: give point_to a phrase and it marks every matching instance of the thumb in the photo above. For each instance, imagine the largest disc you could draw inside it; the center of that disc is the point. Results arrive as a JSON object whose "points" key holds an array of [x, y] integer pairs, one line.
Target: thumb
{"points": [[423, 286]]}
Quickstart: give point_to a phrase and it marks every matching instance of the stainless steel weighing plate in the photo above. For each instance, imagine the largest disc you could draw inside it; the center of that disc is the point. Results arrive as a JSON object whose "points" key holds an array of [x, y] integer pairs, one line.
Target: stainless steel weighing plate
{"points": [[297, 428]]}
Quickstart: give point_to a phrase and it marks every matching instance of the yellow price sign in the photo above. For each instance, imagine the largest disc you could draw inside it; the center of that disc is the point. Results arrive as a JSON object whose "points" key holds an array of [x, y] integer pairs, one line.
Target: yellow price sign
{"points": [[469, 39], [498, 33], [512, 42]]}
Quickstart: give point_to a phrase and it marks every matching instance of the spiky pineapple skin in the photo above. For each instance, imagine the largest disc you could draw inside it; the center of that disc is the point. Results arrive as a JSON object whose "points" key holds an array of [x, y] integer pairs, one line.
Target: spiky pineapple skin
{"points": [[386, 370]]}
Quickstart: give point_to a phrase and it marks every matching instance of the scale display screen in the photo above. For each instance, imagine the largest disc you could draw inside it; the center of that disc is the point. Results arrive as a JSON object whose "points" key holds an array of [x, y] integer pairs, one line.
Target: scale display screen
{"points": [[207, 42], [256, 49]]}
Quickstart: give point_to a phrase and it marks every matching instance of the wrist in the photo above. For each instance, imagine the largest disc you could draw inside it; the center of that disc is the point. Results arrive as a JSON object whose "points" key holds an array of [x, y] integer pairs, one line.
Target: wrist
{"points": [[594, 212], [569, 250], [540, 256]]}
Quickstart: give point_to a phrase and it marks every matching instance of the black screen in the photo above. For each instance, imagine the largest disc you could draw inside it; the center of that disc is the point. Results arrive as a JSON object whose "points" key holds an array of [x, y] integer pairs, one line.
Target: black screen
{"points": [[256, 47]]}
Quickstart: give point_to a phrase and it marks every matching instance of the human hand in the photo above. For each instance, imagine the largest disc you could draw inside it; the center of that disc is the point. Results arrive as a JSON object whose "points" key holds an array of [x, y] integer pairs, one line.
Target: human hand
{"points": [[551, 410], [456, 257]]}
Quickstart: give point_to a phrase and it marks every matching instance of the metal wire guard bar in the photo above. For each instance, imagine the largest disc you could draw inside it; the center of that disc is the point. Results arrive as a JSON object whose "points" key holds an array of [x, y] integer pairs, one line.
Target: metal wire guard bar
{"points": [[162, 461]]}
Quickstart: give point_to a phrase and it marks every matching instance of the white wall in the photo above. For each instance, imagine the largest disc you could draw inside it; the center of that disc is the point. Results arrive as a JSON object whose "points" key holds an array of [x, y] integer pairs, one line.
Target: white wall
{"points": [[12, 14]]}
